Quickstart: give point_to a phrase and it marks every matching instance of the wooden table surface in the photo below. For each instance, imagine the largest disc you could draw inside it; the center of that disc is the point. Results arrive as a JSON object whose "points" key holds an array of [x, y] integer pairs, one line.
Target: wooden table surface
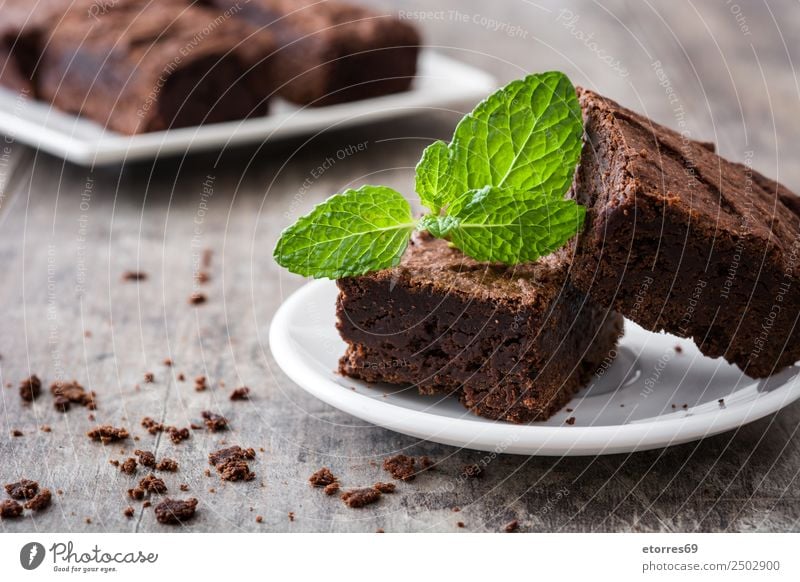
{"points": [[68, 233]]}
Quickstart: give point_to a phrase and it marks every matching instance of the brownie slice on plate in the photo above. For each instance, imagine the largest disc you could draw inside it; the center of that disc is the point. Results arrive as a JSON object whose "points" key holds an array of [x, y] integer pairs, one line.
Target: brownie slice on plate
{"points": [[332, 52], [513, 343], [679, 239], [140, 66]]}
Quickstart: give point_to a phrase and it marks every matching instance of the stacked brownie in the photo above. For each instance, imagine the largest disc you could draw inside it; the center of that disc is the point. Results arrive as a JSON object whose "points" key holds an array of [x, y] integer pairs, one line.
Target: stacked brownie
{"points": [[679, 239], [512, 343], [331, 52], [137, 66]]}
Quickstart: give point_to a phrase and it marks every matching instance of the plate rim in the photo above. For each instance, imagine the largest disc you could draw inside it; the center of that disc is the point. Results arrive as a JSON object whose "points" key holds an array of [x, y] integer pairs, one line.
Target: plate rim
{"points": [[555, 440]]}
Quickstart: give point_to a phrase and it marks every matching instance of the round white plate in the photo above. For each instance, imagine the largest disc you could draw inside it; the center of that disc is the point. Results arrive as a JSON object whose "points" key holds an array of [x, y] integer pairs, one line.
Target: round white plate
{"points": [[653, 396]]}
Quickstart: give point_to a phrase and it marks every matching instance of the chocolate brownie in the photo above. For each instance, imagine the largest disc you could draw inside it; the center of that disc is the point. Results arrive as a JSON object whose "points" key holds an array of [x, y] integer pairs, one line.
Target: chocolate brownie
{"points": [[22, 489], [513, 343], [140, 66], [332, 52], [679, 239]]}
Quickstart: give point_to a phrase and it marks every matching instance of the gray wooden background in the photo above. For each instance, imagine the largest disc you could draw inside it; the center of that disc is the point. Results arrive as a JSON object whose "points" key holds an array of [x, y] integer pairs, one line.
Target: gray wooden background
{"points": [[68, 233]]}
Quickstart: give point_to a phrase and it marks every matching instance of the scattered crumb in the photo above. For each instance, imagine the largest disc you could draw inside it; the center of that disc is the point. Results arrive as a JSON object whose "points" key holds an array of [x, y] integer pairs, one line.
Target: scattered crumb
{"points": [[146, 458], [67, 393], [22, 489], [146, 504], [107, 434], [17, 433], [678, 349], [30, 388], [456, 509], [425, 462], [128, 512], [242, 393], [175, 511], [322, 478], [88, 520], [129, 466], [384, 487], [357, 498], [153, 484], [184, 486], [685, 406], [167, 362], [46, 428], [259, 519], [214, 422], [197, 298], [511, 526], [134, 276], [291, 516], [149, 377], [166, 464], [231, 463], [569, 410], [473, 471], [400, 467], [331, 489], [200, 383], [207, 255], [460, 524], [151, 425], [721, 402], [379, 530], [181, 377], [41, 501], [10, 509], [570, 421]]}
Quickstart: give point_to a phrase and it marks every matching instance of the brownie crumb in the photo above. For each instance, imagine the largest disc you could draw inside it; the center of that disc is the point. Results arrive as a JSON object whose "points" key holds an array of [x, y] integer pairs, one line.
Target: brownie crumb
{"points": [[10, 509], [106, 433], [721, 402], [30, 388], [425, 462], [149, 377], [113, 462], [460, 524], [128, 512], [17, 433], [177, 435], [167, 362], [200, 383], [151, 425], [129, 466], [46, 428], [137, 493], [41, 501], [570, 421], [88, 520], [473, 471], [356, 498], [242, 393], [67, 393], [678, 349], [400, 467], [291, 516], [183, 487], [231, 463], [166, 464], [206, 258], [197, 298], [22, 489], [181, 377], [175, 511], [134, 276], [152, 484], [322, 478], [331, 489], [384, 487], [202, 277], [214, 422], [511, 526], [259, 519], [146, 458]]}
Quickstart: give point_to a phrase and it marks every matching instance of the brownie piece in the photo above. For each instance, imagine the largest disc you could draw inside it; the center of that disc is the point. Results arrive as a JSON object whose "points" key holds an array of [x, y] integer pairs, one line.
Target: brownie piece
{"points": [[357, 498], [679, 239], [140, 66], [30, 388], [332, 52], [175, 511], [41, 501], [107, 434], [231, 463], [322, 478], [10, 509], [513, 343], [22, 489]]}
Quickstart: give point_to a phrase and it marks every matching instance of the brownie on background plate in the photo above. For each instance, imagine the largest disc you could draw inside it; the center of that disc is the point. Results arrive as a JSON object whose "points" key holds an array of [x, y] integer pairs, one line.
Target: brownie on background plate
{"points": [[513, 343], [330, 51], [138, 66], [679, 239]]}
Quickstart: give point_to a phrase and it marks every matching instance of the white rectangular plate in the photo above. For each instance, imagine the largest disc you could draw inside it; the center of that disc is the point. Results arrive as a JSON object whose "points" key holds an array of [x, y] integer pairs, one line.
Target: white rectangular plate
{"points": [[440, 81]]}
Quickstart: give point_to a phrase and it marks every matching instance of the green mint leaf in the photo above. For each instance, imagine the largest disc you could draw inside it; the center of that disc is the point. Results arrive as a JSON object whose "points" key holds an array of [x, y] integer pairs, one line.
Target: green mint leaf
{"points": [[526, 137], [432, 176], [439, 225], [506, 226], [350, 234]]}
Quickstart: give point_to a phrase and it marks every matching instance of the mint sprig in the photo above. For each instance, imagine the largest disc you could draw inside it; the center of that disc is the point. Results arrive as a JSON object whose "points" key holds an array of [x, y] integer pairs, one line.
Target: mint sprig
{"points": [[496, 191]]}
